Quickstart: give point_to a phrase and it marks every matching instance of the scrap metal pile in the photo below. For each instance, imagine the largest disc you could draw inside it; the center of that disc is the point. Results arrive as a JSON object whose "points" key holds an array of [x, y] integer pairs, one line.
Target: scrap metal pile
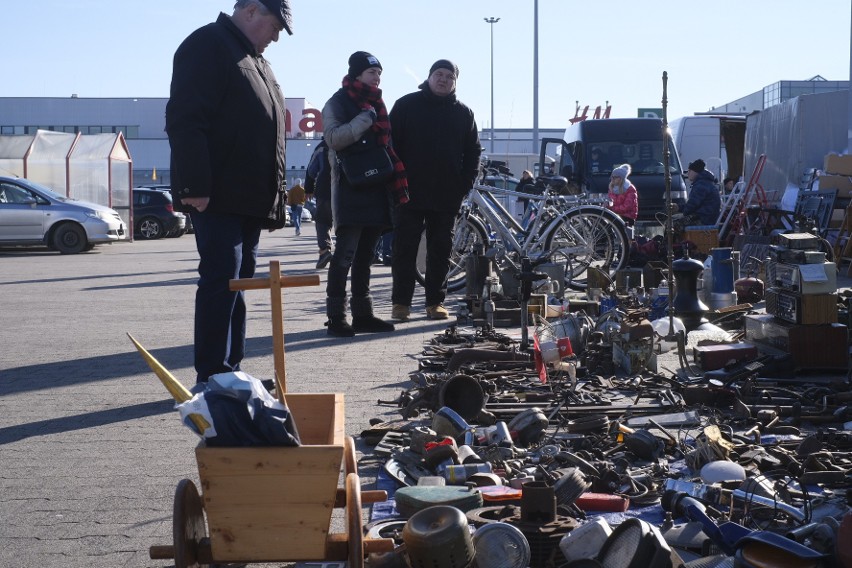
{"points": [[582, 456]]}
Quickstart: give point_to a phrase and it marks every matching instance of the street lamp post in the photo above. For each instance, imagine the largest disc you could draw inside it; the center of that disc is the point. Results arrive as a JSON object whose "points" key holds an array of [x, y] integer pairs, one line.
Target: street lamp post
{"points": [[535, 147], [491, 21]]}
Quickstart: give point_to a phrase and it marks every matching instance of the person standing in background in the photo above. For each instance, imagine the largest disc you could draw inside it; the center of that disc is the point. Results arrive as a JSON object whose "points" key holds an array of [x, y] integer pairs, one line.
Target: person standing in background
{"points": [[596, 160], [623, 195], [357, 114], [225, 123], [436, 137], [526, 185], [318, 184], [296, 201], [704, 203], [526, 180]]}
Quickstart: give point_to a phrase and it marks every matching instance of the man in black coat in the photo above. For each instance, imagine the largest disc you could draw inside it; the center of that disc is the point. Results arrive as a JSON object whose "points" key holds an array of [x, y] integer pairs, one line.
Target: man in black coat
{"points": [[435, 136], [318, 184], [225, 122]]}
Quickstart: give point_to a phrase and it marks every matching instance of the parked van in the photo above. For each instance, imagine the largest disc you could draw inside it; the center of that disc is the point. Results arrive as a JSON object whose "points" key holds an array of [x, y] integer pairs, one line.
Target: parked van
{"points": [[719, 140], [592, 148]]}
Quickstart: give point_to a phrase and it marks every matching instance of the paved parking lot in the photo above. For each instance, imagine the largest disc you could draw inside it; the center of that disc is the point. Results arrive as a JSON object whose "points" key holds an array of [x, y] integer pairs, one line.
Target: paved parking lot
{"points": [[91, 449]]}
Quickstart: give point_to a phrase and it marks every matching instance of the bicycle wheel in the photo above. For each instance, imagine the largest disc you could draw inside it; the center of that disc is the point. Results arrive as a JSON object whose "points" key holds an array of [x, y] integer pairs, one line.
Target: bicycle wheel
{"points": [[467, 234], [588, 237]]}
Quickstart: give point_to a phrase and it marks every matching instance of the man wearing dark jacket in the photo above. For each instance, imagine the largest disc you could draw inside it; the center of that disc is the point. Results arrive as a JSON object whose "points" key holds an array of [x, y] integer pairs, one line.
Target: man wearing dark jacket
{"points": [[436, 137], [318, 184], [704, 201], [225, 122]]}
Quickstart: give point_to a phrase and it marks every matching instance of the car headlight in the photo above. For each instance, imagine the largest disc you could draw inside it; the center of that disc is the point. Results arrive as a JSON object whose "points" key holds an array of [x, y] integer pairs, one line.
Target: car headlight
{"points": [[95, 214]]}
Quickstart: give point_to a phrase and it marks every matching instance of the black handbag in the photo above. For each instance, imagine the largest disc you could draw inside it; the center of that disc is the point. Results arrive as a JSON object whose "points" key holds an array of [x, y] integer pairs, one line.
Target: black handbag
{"points": [[277, 216], [365, 163]]}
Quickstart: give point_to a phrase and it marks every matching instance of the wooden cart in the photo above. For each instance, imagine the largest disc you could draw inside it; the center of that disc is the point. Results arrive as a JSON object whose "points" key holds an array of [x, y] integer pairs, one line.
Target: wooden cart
{"points": [[275, 504]]}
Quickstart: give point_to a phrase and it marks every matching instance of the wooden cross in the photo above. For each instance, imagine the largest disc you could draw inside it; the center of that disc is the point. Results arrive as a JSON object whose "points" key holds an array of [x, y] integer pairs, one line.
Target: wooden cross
{"points": [[274, 283]]}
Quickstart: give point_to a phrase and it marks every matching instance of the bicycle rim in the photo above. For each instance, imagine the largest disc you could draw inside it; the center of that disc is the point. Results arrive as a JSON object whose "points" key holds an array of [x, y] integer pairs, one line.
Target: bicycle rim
{"points": [[467, 234], [588, 237]]}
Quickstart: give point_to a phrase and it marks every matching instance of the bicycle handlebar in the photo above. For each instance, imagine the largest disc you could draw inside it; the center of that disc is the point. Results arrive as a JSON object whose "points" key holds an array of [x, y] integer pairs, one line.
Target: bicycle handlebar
{"points": [[580, 199]]}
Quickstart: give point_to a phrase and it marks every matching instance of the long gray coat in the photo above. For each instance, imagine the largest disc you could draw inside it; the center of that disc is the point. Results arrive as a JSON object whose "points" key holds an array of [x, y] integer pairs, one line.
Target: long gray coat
{"points": [[343, 125]]}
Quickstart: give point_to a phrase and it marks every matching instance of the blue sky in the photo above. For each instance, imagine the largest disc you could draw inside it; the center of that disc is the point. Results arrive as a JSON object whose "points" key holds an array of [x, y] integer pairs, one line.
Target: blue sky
{"points": [[591, 52]]}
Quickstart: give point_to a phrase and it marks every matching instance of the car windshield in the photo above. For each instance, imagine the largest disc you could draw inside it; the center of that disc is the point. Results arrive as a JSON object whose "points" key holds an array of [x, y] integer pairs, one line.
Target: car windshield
{"points": [[502, 182], [644, 156], [46, 191]]}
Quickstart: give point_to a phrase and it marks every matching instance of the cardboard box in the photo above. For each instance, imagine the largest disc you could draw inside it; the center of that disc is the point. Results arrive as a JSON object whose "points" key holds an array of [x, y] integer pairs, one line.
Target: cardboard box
{"points": [[836, 164], [843, 184]]}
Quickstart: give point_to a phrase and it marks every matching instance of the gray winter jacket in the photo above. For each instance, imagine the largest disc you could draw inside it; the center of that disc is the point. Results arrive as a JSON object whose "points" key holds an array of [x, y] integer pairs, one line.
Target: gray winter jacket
{"points": [[343, 125]]}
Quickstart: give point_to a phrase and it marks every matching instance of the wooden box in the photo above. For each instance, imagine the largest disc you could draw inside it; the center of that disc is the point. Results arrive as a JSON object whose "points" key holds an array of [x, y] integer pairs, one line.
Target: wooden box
{"points": [[801, 308], [704, 239], [266, 504], [810, 346], [711, 357]]}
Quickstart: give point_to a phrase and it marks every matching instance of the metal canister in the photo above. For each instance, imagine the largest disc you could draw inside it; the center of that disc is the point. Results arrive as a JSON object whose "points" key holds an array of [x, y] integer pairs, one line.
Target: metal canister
{"points": [[467, 455], [500, 435], [458, 474]]}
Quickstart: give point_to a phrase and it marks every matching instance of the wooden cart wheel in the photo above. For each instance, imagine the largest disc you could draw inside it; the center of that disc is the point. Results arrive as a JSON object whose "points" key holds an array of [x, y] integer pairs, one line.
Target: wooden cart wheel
{"points": [[349, 463], [354, 522], [188, 526]]}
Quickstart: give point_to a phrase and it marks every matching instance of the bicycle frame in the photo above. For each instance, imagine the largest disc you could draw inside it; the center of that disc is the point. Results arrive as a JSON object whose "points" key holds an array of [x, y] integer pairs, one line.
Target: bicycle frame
{"points": [[564, 230], [481, 200]]}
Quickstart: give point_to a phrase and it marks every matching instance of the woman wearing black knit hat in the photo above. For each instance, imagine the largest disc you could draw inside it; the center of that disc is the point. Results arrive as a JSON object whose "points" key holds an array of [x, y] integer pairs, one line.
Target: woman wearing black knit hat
{"points": [[356, 113]]}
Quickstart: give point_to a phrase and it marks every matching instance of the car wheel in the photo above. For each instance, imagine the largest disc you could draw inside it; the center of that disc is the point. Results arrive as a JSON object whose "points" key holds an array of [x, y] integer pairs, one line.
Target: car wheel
{"points": [[70, 239], [150, 228], [174, 233]]}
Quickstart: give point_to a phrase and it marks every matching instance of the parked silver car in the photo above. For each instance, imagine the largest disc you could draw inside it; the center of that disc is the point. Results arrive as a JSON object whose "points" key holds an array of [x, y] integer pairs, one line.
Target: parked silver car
{"points": [[31, 214]]}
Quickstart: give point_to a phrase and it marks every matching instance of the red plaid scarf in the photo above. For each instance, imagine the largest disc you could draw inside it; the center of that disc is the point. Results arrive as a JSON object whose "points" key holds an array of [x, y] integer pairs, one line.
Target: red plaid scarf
{"points": [[367, 97]]}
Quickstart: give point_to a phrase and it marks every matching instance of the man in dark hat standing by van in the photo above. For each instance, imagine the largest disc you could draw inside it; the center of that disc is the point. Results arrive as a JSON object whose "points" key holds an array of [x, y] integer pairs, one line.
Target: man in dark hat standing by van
{"points": [[435, 136], [225, 121]]}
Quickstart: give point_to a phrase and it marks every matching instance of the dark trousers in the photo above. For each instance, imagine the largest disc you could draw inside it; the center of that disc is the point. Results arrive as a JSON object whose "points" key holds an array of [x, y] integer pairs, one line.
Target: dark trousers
{"points": [[227, 245], [408, 228], [322, 222], [323, 236], [353, 250], [387, 245]]}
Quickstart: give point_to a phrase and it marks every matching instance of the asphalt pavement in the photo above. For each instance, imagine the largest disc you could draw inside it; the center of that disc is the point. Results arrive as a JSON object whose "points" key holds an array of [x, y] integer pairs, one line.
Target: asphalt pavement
{"points": [[91, 448]]}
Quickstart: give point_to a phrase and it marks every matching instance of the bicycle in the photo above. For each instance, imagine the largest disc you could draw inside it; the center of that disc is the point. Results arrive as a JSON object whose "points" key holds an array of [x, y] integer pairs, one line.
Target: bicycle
{"points": [[577, 232]]}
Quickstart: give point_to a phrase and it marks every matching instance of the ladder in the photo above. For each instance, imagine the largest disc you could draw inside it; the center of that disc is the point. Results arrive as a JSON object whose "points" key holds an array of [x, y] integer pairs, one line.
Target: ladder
{"points": [[843, 244], [732, 217]]}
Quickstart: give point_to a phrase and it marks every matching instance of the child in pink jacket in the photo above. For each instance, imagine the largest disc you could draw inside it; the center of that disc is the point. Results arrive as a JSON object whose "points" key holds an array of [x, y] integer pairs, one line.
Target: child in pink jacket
{"points": [[622, 194]]}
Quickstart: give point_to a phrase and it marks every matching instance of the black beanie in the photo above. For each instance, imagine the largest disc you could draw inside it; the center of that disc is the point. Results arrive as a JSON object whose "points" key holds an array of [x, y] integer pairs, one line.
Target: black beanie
{"points": [[445, 64], [697, 166], [360, 61]]}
